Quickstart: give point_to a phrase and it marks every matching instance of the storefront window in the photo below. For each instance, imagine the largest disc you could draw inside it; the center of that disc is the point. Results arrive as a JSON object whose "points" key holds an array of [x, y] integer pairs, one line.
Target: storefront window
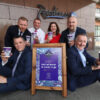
{"points": [[98, 10], [97, 31], [97, 36]]}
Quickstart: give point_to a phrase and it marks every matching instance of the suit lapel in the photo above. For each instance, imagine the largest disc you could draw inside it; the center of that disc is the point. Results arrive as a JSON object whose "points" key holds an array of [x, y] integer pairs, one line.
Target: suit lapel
{"points": [[22, 55], [15, 57]]}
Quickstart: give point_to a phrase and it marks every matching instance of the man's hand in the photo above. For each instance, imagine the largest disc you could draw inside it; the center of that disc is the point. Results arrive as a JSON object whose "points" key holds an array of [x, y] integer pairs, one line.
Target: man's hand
{"points": [[48, 39], [97, 62], [4, 59], [27, 43], [3, 79], [36, 39], [71, 43], [96, 67]]}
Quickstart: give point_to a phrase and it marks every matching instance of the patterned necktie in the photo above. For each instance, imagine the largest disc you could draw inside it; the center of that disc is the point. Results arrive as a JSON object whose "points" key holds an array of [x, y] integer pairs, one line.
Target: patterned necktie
{"points": [[15, 66]]}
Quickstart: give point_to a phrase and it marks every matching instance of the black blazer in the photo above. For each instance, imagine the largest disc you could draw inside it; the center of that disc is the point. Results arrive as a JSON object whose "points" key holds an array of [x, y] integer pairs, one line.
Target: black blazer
{"points": [[64, 38], [13, 31]]}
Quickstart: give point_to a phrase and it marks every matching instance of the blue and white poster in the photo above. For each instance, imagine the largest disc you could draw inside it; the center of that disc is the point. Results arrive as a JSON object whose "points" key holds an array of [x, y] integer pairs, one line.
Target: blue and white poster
{"points": [[49, 67]]}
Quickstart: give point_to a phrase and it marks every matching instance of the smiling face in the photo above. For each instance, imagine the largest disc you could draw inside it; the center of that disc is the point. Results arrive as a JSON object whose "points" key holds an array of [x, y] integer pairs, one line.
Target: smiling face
{"points": [[22, 25], [36, 24], [53, 28], [80, 42], [72, 23], [19, 44]]}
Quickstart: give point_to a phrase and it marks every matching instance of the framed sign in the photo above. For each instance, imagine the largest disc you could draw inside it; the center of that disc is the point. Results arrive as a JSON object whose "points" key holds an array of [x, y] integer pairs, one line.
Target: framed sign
{"points": [[49, 67]]}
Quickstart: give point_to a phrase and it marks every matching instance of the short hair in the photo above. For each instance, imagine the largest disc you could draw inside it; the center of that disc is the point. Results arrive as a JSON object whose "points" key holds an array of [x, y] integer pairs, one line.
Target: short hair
{"points": [[82, 34], [23, 18], [57, 31], [37, 19], [16, 37]]}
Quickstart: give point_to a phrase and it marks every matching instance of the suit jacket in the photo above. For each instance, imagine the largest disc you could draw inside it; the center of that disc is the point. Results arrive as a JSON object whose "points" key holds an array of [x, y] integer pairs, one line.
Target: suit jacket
{"points": [[75, 65], [13, 31], [64, 38], [23, 70]]}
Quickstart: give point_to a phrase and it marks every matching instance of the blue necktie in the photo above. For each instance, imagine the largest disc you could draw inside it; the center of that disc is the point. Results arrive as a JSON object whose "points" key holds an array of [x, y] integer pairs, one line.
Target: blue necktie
{"points": [[14, 68]]}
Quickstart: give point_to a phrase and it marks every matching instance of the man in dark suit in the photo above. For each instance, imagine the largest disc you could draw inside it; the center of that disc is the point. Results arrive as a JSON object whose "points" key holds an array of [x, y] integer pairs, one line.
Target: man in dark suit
{"points": [[15, 72], [17, 30], [83, 69], [72, 31]]}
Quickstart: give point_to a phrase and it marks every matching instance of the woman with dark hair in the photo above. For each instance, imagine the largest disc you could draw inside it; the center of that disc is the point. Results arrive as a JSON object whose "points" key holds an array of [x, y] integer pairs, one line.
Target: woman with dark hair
{"points": [[53, 34]]}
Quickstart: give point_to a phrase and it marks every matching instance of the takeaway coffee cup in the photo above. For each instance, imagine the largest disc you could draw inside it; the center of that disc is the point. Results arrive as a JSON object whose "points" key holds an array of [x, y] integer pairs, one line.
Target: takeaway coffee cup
{"points": [[28, 38], [50, 34], [34, 35], [70, 37], [7, 51]]}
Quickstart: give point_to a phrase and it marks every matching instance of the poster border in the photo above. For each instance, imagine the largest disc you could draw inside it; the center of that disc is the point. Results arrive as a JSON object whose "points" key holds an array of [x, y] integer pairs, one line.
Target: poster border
{"points": [[64, 68]]}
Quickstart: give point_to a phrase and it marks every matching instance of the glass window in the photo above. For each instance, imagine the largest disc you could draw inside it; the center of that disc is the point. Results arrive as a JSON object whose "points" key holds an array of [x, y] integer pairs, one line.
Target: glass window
{"points": [[97, 10], [97, 31]]}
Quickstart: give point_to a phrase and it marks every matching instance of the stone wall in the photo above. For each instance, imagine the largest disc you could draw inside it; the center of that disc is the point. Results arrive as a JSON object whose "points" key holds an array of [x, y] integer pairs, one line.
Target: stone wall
{"points": [[10, 13], [86, 17]]}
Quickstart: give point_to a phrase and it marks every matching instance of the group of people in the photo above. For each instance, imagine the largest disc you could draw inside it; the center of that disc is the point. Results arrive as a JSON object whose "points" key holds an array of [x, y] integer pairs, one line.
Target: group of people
{"points": [[15, 71]]}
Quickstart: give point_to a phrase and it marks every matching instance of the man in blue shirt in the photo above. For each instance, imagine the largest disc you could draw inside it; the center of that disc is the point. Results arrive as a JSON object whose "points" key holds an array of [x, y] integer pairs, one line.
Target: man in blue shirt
{"points": [[83, 69]]}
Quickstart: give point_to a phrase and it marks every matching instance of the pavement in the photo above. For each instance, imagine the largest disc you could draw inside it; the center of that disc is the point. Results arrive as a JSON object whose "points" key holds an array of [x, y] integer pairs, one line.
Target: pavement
{"points": [[91, 92]]}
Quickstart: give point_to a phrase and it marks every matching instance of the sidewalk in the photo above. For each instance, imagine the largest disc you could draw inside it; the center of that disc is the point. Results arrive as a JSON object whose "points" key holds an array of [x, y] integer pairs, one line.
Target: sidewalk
{"points": [[91, 92]]}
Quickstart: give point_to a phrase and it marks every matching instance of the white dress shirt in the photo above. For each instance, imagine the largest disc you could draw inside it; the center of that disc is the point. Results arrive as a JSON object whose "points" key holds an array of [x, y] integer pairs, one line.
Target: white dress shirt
{"points": [[83, 58], [20, 33], [40, 34]]}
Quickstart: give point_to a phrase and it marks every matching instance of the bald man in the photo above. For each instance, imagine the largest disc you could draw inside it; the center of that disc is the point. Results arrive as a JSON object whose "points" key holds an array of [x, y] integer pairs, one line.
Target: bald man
{"points": [[69, 34]]}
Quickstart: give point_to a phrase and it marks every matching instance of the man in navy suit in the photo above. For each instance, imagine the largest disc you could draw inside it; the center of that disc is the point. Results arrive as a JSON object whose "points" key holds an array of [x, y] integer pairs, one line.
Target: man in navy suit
{"points": [[72, 31], [17, 30], [83, 69], [15, 72]]}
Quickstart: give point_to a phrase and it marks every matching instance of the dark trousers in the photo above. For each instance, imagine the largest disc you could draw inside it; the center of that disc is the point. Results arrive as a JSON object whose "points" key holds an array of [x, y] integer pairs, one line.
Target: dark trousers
{"points": [[6, 87], [75, 82]]}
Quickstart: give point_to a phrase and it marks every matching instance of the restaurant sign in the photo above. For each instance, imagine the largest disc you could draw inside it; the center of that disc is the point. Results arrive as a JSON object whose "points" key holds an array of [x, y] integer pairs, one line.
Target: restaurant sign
{"points": [[54, 13]]}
